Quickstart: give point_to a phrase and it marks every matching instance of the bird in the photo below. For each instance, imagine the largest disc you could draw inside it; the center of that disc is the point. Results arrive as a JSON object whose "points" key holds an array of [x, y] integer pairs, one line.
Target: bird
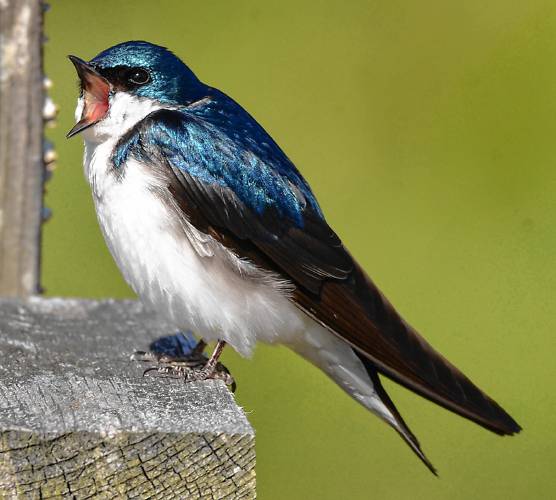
{"points": [[216, 230]]}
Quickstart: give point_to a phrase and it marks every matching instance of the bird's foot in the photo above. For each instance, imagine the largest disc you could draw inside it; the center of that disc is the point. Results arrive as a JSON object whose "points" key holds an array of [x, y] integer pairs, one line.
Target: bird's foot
{"points": [[189, 361], [192, 367], [191, 371]]}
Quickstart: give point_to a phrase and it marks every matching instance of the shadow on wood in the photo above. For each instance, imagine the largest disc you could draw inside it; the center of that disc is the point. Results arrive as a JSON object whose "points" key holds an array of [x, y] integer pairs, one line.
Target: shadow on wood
{"points": [[78, 419]]}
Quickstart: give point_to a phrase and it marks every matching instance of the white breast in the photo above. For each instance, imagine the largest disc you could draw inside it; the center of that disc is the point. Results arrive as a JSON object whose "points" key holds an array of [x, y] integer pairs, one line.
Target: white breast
{"points": [[209, 294]]}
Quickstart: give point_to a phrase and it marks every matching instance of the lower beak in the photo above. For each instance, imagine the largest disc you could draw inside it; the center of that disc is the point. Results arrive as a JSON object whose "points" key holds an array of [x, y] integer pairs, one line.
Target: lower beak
{"points": [[96, 91]]}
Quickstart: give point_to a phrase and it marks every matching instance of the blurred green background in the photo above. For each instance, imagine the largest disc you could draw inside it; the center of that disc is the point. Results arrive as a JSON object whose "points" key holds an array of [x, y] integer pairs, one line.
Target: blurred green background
{"points": [[427, 131]]}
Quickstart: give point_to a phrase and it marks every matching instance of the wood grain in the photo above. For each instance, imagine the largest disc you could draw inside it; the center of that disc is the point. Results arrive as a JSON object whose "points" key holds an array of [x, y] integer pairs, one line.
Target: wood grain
{"points": [[78, 419]]}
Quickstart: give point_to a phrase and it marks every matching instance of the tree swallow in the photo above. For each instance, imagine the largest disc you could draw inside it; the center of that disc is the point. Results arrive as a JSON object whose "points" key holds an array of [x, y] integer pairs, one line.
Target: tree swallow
{"points": [[215, 229]]}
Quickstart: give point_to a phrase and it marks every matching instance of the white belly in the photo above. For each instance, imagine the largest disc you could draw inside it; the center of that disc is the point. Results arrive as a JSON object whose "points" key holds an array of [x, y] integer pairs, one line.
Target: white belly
{"points": [[200, 293]]}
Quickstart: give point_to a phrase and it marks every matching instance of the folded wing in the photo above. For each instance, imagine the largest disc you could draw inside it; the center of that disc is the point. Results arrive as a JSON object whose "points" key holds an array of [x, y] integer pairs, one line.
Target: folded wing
{"points": [[243, 190]]}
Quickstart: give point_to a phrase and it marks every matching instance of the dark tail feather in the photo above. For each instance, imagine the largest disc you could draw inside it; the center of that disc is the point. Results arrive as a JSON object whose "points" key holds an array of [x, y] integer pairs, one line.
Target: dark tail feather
{"points": [[404, 430], [357, 312]]}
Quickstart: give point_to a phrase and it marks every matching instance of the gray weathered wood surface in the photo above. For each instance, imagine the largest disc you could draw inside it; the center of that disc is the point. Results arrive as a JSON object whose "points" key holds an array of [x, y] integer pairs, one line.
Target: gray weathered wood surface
{"points": [[78, 420], [21, 143]]}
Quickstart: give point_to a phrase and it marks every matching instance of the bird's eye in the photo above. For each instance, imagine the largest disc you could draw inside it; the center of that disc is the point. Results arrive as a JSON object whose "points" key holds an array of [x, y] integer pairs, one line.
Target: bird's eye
{"points": [[138, 76]]}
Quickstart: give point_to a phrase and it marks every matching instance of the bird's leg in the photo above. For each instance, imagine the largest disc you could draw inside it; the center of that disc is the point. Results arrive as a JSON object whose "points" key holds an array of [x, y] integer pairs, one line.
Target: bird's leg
{"points": [[213, 360], [210, 369], [194, 367]]}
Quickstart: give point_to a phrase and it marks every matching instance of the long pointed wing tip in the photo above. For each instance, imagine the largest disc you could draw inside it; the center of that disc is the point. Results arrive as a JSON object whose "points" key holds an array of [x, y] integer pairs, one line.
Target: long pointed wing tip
{"points": [[514, 429], [505, 425]]}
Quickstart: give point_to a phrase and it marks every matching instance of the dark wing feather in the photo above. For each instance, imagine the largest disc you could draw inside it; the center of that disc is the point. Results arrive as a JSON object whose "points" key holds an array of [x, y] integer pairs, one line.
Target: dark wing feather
{"points": [[358, 311], [329, 285], [306, 255]]}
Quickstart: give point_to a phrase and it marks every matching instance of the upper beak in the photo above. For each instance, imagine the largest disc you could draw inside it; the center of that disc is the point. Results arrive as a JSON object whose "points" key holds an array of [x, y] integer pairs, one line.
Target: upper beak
{"points": [[96, 91]]}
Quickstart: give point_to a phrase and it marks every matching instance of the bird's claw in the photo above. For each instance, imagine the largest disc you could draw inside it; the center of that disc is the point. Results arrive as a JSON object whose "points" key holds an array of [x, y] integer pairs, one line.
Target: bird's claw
{"points": [[189, 368]]}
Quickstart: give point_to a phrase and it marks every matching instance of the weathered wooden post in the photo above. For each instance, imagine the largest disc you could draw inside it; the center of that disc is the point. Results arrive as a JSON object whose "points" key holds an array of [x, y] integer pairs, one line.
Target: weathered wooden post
{"points": [[77, 418], [21, 145]]}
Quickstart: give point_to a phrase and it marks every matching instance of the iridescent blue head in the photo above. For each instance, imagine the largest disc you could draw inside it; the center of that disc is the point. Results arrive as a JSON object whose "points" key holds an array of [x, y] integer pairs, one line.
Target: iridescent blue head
{"points": [[138, 68], [148, 70]]}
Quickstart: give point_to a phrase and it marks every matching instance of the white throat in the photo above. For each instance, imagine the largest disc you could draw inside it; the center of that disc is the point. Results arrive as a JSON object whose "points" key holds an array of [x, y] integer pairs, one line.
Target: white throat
{"points": [[124, 112]]}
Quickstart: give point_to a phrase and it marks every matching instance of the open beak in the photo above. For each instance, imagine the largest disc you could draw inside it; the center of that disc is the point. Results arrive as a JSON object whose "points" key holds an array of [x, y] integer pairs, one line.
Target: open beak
{"points": [[96, 91]]}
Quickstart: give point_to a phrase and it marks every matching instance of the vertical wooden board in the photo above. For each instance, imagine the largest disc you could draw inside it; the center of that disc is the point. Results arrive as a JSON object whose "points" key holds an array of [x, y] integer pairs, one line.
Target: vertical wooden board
{"points": [[21, 145]]}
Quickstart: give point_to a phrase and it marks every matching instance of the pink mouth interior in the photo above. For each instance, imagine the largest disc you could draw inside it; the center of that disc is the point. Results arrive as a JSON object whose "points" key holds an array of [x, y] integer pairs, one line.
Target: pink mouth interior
{"points": [[96, 93]]}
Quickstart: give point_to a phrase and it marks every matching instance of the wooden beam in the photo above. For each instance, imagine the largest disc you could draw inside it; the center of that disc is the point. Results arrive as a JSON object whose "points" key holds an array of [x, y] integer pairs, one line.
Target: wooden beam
{"points": [[78, 419], [21, 145]]}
